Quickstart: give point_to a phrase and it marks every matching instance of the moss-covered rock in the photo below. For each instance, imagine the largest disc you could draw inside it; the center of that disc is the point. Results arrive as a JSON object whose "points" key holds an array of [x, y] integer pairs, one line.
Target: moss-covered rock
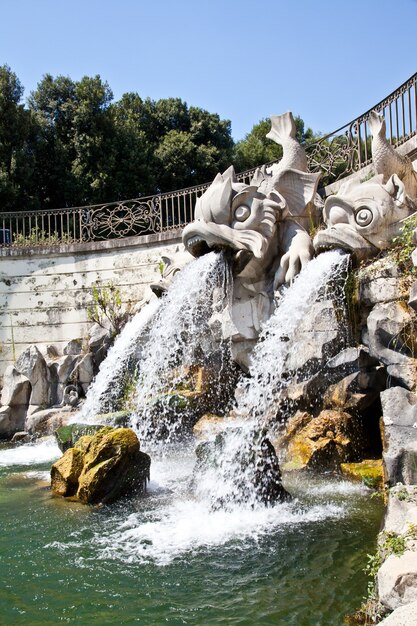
{"points": [[102, 467], [66, 472], [66, 436], [113, 466], [370, 472]]}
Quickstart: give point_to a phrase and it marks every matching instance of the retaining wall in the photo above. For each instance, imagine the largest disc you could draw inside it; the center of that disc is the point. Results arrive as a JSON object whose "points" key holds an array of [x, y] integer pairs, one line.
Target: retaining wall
{"points": [[45, 292]]}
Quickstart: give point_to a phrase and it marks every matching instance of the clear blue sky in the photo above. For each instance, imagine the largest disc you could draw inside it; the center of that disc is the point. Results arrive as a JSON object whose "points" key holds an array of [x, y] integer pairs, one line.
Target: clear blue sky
{"points": [[327, 61]]}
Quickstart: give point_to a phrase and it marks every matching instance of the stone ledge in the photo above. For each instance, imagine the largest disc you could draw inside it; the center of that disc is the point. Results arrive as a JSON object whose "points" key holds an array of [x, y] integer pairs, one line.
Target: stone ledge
{"points": [[80, 248]]}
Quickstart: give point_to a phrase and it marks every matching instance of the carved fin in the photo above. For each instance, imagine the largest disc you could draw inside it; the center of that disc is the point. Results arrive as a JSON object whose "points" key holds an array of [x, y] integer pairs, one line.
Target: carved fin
{"points": [[230, 173], [258, 177], [298, 188], [283, 127]]}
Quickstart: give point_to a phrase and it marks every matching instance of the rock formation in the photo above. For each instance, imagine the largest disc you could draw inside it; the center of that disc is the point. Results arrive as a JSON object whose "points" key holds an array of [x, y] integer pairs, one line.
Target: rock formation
{"points": [[101, 468]]}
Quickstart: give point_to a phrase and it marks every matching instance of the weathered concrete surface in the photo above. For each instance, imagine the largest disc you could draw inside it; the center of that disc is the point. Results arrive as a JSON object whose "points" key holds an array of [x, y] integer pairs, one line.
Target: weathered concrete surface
{"points": [[44, 293]]}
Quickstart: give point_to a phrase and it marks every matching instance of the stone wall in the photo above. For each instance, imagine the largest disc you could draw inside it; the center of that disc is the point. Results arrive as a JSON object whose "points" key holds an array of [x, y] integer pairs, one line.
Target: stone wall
{"points": [[45, 292]]}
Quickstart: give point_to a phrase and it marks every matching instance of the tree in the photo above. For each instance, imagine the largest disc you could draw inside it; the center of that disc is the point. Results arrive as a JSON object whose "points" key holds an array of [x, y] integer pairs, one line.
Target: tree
{"points": [[193, 151], [135, 169], [255, 149], [16, 143], [74, 152]]}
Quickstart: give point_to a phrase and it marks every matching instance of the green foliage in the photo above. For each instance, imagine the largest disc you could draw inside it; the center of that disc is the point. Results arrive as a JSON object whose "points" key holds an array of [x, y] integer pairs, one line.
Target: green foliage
{"points": [[107, 307], [16, 144], [72, 145], [404, 244], [255, 149], [38, 237], [390, 543]]}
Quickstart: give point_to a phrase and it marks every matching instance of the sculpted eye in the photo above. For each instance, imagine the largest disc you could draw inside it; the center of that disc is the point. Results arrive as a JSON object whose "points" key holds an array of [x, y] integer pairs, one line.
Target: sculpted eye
{"points": [[242, 213], [364, 216]]}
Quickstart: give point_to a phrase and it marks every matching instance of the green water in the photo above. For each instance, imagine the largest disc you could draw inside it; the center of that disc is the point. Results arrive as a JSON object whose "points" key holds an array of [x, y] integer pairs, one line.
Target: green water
{"points": [[167, 560]]}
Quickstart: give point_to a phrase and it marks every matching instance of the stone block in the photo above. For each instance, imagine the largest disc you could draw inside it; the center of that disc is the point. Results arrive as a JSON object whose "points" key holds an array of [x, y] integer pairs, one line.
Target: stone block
{"points": [[397, 580], [73, 347], [16, 388], [399, 435], [403, 616], [12, 420], [391, 333], [32, 364], [85, 369]]}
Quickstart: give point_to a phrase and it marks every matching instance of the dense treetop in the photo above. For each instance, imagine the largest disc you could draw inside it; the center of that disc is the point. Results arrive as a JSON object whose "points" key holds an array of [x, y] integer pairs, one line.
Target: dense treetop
{"points": [[72, 144]]}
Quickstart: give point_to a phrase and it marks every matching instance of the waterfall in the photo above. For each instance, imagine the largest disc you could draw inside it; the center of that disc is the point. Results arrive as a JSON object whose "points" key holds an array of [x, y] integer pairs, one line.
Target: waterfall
{"points": [[232, 464], [180, 338], [105, 388], [277, 339]]}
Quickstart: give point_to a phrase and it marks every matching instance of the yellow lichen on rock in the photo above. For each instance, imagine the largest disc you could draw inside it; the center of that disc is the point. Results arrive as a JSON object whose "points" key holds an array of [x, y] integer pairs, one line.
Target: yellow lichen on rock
{"points": [[369, 471], [321, 442], [66, 471], [102, 467]]}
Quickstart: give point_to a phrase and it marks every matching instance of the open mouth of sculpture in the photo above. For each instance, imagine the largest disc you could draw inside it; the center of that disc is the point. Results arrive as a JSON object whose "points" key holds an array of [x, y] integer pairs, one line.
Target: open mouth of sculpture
{"points": [[344, 237], [200, 238]]}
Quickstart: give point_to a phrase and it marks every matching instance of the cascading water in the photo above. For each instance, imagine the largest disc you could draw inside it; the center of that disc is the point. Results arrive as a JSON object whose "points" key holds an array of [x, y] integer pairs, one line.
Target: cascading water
{"points": [[222, 506], [239, 459], [180, 338], [104, 389], [216, 560]]}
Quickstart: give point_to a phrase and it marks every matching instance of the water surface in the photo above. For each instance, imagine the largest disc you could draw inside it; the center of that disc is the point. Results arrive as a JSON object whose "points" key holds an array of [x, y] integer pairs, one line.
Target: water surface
{"points": [[168, 559]]}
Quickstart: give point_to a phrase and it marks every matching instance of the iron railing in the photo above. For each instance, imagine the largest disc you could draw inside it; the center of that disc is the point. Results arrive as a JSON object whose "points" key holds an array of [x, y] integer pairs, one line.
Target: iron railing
{"points": [[336, 155]]}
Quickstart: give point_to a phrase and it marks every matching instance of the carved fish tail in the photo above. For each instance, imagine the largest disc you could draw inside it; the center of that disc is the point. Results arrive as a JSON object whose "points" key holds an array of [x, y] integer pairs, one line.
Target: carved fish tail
{"points": [[283, 127], [377, 124]]}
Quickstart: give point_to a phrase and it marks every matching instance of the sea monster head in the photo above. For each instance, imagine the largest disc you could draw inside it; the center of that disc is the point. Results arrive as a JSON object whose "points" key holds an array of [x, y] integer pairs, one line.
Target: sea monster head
{"points": [[363, 218]]}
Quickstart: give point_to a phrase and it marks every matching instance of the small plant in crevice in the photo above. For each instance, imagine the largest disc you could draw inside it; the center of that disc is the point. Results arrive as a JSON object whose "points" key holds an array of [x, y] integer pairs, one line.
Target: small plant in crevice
{"points": [[107, 308], [351, 289], [404, 244], [390, 543]]}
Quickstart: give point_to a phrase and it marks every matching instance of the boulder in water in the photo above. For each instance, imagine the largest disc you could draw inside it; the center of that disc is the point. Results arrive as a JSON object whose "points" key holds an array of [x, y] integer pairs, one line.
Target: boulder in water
{"points": [[113, 467], [322, 442], [246, 466], [101, 467], [66, 472]]}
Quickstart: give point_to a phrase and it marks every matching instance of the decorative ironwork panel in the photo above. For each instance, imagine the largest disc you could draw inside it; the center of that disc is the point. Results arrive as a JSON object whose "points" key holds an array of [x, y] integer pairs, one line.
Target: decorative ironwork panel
{"points": [[120, 219]]}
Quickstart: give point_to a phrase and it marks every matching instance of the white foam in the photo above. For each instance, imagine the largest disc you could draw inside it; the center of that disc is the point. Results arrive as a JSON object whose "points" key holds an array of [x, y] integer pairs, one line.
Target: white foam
{"points": [[104, 386], [185, 526], [42, 451]]}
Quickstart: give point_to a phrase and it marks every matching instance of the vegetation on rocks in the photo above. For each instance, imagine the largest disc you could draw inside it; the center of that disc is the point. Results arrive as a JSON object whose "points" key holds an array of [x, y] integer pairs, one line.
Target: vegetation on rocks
{"points": [[101, 467]]}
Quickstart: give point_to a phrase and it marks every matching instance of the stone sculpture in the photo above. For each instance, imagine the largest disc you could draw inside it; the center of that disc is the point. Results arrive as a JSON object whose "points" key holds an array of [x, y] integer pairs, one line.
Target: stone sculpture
{"points": [[363, 218], [263, 226]]}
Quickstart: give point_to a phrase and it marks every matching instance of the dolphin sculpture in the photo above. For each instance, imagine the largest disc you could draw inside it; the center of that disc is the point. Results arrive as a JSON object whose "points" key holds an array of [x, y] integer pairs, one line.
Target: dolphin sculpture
{"points": [[363, 218], [263, 226]]}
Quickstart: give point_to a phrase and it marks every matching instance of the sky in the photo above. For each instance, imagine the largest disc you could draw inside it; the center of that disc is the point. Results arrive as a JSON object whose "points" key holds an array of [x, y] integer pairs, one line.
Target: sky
{"points": [[327, 61]]}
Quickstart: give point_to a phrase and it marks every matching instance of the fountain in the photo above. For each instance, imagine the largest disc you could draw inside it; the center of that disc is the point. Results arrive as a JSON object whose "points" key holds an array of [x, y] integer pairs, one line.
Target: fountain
{"points": [[252, 322]]}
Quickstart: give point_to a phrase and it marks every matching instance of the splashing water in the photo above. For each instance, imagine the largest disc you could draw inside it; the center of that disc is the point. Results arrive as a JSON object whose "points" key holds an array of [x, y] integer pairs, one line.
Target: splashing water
{"points": [[104, 390], [277, 339], [239, 452], [179, 339], [43, 451], [172, 521]]}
